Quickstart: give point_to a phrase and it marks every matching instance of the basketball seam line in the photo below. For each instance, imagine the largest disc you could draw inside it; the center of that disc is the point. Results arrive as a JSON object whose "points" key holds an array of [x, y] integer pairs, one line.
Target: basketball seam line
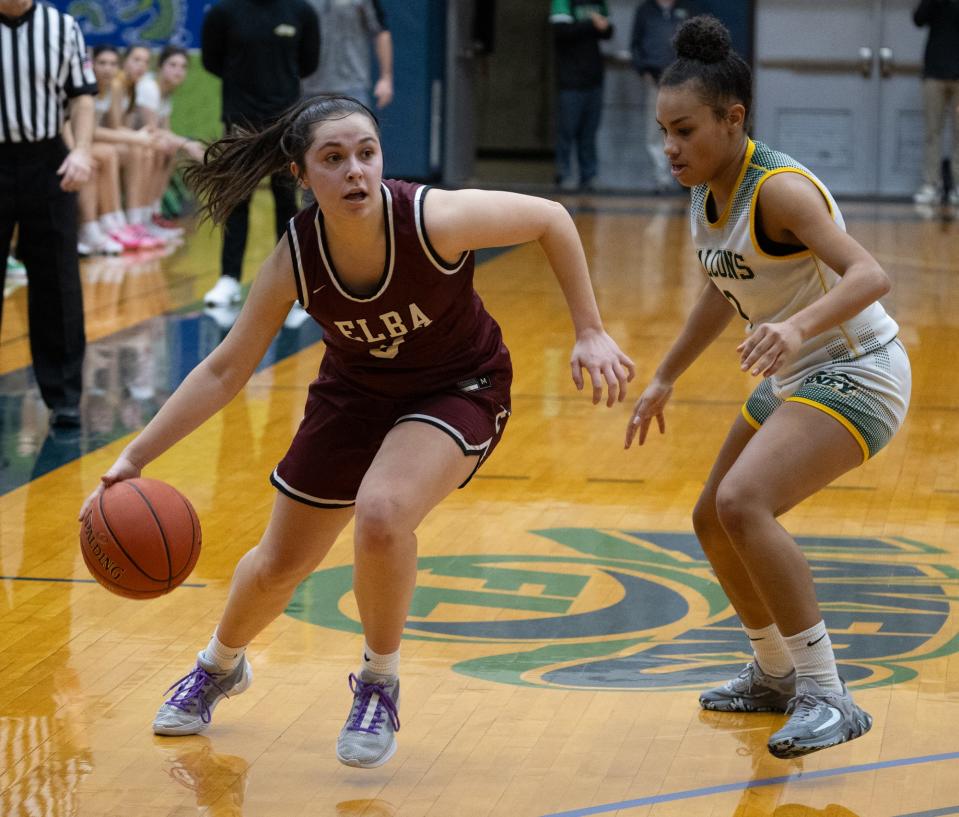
{"points": [[166, 544], [123, 550], [194, 522]]}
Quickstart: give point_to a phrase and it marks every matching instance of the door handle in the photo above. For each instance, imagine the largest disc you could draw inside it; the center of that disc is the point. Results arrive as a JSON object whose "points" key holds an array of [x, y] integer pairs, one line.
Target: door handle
{"points": [[886, 64], [865, 61]]}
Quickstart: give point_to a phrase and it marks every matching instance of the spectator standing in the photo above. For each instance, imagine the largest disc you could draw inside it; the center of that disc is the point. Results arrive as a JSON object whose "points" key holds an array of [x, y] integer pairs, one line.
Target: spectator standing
{"points": [[651, 45], [261, 49], [347, 29], [940, 93], [38, 180], [578, 27]]}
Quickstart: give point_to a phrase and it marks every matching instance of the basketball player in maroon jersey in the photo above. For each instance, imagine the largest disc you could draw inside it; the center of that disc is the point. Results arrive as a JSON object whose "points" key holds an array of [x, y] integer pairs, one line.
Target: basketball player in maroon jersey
{"points": [[411, 397]]}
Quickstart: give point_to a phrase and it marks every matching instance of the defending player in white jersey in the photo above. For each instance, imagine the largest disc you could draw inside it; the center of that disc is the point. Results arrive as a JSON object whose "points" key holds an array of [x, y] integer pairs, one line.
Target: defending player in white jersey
{"points": [[835, 385]]}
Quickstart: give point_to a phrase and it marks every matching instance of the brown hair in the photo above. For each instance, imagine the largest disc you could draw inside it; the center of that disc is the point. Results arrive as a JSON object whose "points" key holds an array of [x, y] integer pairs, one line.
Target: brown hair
{"points": [[233, 165]]}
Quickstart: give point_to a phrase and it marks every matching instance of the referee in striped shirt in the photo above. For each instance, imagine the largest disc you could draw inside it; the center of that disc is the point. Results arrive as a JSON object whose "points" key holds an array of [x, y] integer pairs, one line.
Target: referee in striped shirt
{"points": [[44, 75]]}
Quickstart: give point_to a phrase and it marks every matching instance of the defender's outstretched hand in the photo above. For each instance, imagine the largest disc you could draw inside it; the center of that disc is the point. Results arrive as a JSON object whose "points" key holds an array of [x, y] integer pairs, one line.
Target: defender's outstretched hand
{"points": [[122, 469], [603, 360], [650, 404]]}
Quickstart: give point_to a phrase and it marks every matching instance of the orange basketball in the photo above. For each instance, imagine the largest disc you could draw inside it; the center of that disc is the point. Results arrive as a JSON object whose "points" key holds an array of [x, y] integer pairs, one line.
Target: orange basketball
{"points": [[141, 538]]}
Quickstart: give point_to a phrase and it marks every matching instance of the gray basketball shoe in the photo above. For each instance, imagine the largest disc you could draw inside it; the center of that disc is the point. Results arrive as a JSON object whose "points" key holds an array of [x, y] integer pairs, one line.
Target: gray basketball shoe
{"points": [[191, 706], [818, 719], [751, 691], [368, 738]]}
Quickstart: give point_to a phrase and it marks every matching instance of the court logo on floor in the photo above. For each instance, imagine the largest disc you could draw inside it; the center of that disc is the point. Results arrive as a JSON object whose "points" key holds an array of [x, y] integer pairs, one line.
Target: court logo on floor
{"points": [[641, 610]]}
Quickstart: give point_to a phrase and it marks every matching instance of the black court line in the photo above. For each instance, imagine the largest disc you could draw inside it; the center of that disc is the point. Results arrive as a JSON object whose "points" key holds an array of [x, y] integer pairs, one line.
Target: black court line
{"points": [[939, 812], [72, 581]]}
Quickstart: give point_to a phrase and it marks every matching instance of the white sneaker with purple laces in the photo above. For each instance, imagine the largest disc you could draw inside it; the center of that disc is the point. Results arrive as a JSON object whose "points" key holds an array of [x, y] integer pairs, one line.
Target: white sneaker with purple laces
{"points": [[368, 738], [190, 708]]}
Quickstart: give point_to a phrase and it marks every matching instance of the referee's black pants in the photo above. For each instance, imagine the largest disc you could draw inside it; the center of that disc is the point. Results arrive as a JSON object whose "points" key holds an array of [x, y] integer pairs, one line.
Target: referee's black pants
{"points": [[30, 196]]}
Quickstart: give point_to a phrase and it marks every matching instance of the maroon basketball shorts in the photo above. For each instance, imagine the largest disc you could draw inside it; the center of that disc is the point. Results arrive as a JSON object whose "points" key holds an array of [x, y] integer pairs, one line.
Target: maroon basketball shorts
{"points": [[342, 429]]}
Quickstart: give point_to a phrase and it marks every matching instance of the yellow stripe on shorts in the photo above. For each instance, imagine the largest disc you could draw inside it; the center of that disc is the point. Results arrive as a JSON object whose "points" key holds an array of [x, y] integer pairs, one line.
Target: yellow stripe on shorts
{"points": [[835, 414]]}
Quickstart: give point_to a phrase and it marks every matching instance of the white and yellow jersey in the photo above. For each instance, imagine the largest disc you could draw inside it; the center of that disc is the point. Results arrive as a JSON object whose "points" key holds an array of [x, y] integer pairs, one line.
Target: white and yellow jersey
{"points": [[769, 282]]}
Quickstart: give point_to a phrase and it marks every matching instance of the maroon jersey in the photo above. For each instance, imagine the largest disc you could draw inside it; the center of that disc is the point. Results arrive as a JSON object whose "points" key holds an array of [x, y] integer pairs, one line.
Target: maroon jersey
{"points": [[423, 329]]}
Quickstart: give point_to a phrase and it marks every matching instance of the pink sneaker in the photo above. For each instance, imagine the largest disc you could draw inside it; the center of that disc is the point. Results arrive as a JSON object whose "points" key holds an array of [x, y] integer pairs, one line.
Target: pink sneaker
{"points": [[148, 240], [166, 224], [132, 237]]}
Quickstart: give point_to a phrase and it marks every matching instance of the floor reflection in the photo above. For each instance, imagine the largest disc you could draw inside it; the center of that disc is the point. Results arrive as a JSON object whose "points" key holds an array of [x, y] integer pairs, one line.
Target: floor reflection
{"points": [[218, 781], [751, 731], [45, 756], [45, 746], [127, 376], [366, 808]]}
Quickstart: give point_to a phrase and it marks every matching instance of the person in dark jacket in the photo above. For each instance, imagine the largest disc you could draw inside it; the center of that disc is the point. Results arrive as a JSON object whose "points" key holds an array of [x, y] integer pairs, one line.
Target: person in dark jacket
{"points": [[261, 49], [578, 27], [940, 93], [651, 45]]}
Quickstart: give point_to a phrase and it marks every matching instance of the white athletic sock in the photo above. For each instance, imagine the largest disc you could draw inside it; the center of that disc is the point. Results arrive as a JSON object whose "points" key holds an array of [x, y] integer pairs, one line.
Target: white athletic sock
{"points": [[111, 222], [385, 665], [770, 651], [91, 234], [812, 656], [139, 215], [221, 656]]}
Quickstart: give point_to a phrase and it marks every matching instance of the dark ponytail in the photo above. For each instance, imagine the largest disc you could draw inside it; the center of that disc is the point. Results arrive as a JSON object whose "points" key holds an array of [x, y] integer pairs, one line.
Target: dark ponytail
{"points": [[704, 53], [233, 165]]}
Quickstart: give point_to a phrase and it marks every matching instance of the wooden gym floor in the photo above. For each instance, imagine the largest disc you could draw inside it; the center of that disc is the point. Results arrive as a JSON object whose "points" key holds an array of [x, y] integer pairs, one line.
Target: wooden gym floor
{"points": [[565, 618]]}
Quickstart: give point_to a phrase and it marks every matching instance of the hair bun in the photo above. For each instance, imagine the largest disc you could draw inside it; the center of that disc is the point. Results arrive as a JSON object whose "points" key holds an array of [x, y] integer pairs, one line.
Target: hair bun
{"points": [[703, 38]]}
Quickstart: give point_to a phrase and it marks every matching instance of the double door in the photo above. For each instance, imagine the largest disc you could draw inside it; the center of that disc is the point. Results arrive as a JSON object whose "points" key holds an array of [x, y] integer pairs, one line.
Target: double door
{"points": [[837, 86]]}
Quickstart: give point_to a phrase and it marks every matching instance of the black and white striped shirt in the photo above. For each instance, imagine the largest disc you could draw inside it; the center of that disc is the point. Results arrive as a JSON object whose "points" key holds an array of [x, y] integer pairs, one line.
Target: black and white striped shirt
{"points": [[43, 63]]}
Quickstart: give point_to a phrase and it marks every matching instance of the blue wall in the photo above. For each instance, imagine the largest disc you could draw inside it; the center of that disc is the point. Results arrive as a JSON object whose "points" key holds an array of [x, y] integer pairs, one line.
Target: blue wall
{"points": [[737, 16], [419, 36]]}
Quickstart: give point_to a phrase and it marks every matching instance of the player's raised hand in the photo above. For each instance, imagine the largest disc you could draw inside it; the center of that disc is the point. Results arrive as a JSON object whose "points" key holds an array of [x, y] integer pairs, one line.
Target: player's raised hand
{"points": [[599, 355]]}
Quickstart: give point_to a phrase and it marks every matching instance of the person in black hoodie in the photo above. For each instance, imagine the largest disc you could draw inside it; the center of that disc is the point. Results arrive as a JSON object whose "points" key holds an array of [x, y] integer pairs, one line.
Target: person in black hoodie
{"points": [[940, 92], [578, 27], [261, 49]]}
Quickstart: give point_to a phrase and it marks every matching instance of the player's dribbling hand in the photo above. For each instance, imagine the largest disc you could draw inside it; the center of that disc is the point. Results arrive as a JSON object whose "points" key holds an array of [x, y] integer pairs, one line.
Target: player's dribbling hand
{"points": [[598, 353], [650, 404], [768, 347], [120, 470]]}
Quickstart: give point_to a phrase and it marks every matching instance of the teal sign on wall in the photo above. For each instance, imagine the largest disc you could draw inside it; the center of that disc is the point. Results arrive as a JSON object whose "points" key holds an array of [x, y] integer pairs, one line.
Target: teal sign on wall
{"points": [[150, 22], [639, 610]]}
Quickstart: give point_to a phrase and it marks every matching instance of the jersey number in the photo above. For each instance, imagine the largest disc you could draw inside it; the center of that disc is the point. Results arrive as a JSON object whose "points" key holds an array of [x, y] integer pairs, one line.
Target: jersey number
{"points": [[388, 352], [732, 299]]}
